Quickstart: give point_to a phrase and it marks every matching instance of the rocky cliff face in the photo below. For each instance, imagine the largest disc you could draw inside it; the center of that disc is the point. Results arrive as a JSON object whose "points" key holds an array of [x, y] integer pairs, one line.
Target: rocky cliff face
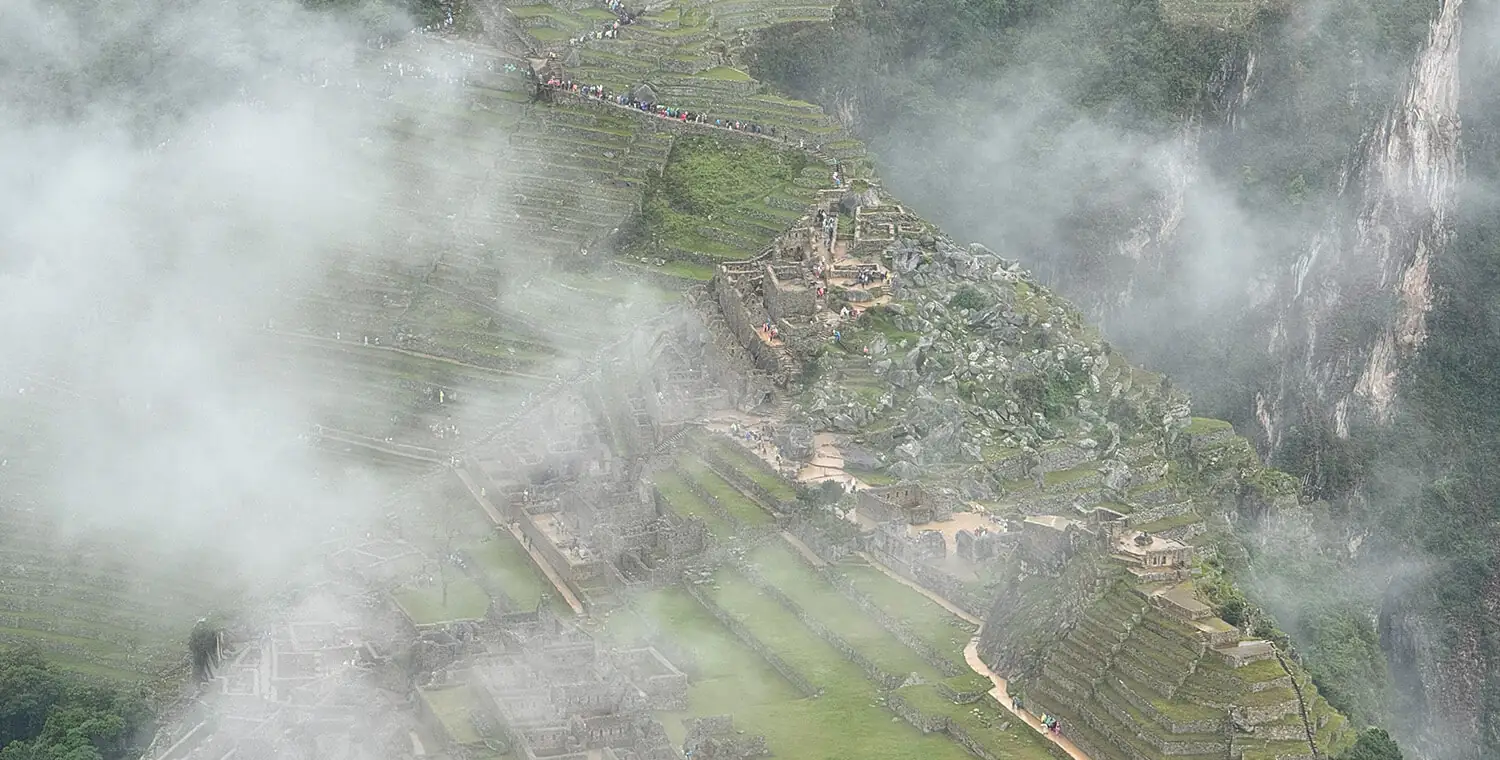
{"points": [[1352, 310]]}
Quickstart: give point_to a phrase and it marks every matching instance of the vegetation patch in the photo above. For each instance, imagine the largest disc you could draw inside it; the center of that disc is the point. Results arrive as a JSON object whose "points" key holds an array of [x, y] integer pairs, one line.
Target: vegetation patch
{"points": [[705, 185], [428, 605]]}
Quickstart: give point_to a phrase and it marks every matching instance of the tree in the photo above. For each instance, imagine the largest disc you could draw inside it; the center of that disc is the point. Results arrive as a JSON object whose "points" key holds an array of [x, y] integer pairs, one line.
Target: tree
{"points": [[1373, 744], [47, 714], [29, 687], [203, 644]]}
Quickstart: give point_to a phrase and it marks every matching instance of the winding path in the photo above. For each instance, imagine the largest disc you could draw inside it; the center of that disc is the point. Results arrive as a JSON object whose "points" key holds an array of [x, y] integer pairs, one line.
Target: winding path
{"points": [[971, 656]]}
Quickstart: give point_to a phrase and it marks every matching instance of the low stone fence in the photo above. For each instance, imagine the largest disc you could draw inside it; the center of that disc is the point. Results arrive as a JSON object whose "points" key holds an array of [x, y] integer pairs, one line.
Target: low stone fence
{"points": [[797, 680], [871, 670], [962, 697]]}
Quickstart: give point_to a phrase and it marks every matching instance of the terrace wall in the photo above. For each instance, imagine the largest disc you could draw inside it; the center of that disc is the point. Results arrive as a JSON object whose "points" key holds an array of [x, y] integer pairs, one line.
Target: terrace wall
{"points": [[742, 323], [871, 670], [796, 679], [897, 628], [726, 470]]}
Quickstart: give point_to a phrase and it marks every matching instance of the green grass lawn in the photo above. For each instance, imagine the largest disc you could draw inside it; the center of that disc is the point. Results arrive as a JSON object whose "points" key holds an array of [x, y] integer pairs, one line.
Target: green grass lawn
{"points": [[982, 721], [777, 564], [466, 600], [451, 705], [730, 677], [734, 502], [684, 502], [936, 626], [503, 563], [845, 723], [750, 466], [706, 182]]}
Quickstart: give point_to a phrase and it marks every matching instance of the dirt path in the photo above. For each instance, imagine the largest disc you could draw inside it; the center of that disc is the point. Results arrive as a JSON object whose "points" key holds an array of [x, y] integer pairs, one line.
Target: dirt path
{"points": [[827, 463], [971, 656], [1001, 695]]}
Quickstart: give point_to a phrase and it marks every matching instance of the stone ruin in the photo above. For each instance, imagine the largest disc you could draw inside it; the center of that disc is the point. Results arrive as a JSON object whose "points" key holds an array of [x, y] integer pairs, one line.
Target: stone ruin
{"points": [[904, 502], [770, 301], [562, 696], [715, 738]]}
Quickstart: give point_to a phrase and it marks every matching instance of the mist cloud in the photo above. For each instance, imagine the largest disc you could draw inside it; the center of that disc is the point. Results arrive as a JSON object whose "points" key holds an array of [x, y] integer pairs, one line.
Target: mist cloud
{"points": [[175, 175]]}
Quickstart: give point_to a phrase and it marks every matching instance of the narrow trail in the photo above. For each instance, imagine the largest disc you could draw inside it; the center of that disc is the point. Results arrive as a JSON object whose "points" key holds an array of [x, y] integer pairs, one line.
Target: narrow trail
{"points": [[1002, 695], [971, 655]]}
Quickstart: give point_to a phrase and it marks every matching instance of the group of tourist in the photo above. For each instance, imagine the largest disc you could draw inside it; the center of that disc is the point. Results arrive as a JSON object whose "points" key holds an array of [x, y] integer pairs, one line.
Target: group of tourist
{"points": [[598, 92], [611, 30], [1049, 722]]}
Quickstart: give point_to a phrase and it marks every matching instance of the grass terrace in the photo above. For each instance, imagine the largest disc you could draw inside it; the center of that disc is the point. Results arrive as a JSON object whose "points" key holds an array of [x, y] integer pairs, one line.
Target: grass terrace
{"points": [[452, 706], [501, 563], [91, 607], [424, 605], [748, 15], [778, 564], [728, 677], [739, 506], [682, 501], [938, 627], [705, 205], [748, 464], [982, 721], [800, 728]]}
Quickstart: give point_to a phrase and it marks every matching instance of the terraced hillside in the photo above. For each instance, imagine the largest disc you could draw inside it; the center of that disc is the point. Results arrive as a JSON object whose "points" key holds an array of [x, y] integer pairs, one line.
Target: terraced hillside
{"points": [[778, 645]]}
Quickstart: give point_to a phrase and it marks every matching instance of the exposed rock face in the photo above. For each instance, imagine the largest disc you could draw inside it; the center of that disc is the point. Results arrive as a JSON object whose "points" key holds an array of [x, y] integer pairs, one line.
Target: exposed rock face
{"points": [[1372, 261]]}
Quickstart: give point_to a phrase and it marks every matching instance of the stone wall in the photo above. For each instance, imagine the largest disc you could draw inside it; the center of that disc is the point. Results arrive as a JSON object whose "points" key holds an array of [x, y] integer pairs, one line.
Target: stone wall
{"points": [[897, 628], [963, 697], [929, 724], [787, 299], [800, 683], [1161, 512], [871, 670], [741, 529], [724, 469], [742, 324], [786, 138]]}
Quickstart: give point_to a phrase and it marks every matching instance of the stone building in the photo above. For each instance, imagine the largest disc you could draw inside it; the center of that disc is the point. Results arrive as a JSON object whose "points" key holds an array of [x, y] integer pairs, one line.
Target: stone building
{"points": [[1152, 555], [564, 697], [904, 502], [979, 544], [1049, 541]]}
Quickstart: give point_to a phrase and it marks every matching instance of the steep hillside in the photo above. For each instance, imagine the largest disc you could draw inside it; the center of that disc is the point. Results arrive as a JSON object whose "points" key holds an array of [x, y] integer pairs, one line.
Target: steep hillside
{"points": [[1277, 210]]}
